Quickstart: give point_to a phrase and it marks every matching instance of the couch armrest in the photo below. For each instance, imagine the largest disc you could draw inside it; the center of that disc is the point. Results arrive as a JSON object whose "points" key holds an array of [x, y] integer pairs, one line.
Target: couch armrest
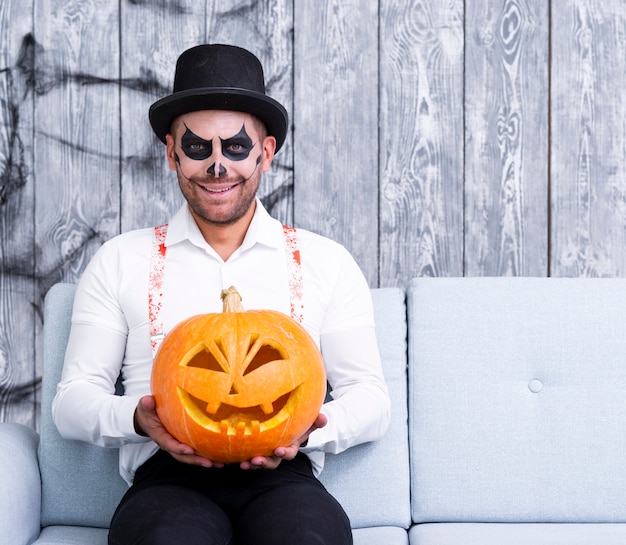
{"points": [[20, 482]]}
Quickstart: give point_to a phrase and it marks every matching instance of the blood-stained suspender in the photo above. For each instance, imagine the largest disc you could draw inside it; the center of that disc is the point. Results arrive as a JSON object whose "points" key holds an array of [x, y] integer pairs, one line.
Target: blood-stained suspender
{"points": [[294, 274], [157, 271], [155, 289]]}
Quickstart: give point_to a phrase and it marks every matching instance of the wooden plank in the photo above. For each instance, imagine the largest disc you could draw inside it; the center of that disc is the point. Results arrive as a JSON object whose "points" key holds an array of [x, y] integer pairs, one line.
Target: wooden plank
{"points": [[19, 371], [76, 165], [506, 122], [421, 140], [335, 116], [588, 166]]}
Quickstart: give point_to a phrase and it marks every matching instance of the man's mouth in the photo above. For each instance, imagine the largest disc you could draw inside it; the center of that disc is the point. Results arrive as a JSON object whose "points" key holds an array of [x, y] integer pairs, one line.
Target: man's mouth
{"points": [[221, 189]]}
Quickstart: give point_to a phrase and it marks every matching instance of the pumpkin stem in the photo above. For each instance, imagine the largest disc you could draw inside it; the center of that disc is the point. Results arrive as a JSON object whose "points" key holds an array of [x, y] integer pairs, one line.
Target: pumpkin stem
{"points": [[232, 300]]}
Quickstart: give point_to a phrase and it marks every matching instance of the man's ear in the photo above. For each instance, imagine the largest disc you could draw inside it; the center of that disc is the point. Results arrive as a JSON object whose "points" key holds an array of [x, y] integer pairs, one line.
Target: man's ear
{"points": [[169, 151], [269, 149]]}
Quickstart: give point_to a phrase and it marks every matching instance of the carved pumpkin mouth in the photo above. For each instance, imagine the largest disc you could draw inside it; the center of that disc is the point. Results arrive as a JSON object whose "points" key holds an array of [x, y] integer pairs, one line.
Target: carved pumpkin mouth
{"points": [[232, 420], [234, 393]]}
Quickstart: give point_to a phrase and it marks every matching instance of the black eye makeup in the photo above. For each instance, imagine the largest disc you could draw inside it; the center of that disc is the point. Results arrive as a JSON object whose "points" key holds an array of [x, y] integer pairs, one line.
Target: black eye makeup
{"points": [[238, 147], [235, 148], [194, 147]]}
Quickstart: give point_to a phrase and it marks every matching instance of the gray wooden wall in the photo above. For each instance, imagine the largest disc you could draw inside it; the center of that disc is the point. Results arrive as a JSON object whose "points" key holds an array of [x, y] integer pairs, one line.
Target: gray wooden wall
{"points": [[441, 137]]}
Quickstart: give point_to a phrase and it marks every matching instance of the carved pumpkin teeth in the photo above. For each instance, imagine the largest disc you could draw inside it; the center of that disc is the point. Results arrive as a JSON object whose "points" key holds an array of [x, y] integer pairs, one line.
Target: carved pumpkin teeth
{"points": [[241, 428], [267, 408], [212, 406]]}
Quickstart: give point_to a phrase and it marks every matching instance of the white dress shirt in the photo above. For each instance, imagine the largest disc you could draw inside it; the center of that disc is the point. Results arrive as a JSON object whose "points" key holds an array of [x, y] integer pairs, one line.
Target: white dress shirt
{"points": [[110, 329]]}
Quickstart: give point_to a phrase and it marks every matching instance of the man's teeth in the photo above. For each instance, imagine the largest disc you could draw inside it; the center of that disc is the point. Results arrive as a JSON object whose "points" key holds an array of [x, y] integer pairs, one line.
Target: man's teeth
{"points": [[219, 190]]}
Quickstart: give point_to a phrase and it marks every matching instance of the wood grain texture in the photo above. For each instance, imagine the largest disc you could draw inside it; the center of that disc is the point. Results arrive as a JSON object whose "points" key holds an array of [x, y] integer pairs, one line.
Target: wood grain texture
{"points": [[506, 139], [153, 35], [588, 167], [336, 105], [77, 133], [421, 140], [459, 137], [19, 320]]}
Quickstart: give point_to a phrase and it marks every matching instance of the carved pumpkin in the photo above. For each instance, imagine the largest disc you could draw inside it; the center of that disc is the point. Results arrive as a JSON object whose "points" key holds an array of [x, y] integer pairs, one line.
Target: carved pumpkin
{"points": [[238, 384]]}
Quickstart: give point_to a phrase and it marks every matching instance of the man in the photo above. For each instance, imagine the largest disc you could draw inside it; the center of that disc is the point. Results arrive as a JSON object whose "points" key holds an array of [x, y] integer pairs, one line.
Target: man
{"points": [[221, 132]]}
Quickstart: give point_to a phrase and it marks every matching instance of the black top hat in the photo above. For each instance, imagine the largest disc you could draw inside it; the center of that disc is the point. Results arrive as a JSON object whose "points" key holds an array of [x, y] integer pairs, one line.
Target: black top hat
{"points": [[219, 77]]}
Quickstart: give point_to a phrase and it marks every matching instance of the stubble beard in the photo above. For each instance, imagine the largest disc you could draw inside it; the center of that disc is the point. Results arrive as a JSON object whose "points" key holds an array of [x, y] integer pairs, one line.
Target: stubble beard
{"points": [[231, 213]]}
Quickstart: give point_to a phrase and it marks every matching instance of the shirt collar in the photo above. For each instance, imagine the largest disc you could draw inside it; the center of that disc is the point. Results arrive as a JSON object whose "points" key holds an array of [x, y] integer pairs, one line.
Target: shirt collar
{"points": [[263, 230]]}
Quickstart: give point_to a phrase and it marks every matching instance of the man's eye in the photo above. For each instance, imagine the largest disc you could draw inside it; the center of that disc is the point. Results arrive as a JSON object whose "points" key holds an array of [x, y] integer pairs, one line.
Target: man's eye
{"points": [[198, 151], [195, 147], [236, 148], [236, 152]]}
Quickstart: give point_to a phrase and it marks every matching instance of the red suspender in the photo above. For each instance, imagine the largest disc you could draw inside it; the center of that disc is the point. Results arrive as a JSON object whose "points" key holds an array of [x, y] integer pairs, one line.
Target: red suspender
{"points": [[294, 274], [157, 271], [155, 290]]}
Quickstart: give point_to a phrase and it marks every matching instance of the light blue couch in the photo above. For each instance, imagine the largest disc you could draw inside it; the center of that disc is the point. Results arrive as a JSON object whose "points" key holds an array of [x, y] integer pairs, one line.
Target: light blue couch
{"points": [[508, 425]]}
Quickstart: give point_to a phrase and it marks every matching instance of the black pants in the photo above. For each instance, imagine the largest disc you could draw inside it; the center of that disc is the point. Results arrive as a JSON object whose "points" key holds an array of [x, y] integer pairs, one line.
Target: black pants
{"points": [[171, 503]]}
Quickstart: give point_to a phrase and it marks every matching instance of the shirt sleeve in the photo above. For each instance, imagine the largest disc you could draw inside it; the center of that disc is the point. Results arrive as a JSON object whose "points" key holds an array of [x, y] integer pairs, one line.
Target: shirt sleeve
{"points": [[359, 409], [85, 406]]}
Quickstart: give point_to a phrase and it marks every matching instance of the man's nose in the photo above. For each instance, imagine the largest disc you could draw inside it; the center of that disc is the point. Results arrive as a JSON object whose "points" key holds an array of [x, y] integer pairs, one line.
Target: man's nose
{"points": [[221, 169]]}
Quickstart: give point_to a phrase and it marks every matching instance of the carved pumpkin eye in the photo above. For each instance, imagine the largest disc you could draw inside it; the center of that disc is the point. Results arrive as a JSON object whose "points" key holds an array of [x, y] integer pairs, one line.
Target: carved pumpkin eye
{"points": [[238, 384]]}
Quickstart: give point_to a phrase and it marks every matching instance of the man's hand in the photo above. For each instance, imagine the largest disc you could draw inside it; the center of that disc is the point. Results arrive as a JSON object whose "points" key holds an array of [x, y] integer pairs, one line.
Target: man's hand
{"points": [[288, 452], [148, 424]]}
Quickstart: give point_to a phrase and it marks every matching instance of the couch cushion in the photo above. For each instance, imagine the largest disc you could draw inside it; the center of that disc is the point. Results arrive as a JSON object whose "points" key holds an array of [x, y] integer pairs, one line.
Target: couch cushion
{"points": [[72, 535], [518, 534], [371, 481], [381, 535], [80, 482], [20, 484], [518, 399]]}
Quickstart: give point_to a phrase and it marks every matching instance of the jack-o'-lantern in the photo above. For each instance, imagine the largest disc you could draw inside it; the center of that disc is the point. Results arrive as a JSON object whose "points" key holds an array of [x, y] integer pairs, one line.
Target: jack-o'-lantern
{"points": [[238, 384]]}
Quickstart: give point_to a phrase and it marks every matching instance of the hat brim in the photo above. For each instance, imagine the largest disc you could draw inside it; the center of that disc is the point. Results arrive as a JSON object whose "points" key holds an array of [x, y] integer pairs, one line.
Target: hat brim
{"points": [[268, 110]]}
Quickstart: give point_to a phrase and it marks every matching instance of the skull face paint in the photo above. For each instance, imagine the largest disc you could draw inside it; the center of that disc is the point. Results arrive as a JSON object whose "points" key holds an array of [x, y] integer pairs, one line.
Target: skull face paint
{"points": [[219, 157]]}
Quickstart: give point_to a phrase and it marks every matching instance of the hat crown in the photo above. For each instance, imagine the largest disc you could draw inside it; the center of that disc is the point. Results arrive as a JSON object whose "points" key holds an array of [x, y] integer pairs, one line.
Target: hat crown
{"points": [[218, 66], [219, 77]]}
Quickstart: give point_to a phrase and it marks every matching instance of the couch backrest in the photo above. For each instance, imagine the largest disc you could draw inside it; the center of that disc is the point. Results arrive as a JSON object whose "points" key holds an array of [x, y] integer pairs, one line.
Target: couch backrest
{"points": [[81, 483], [518, 399], [371, 481]]}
